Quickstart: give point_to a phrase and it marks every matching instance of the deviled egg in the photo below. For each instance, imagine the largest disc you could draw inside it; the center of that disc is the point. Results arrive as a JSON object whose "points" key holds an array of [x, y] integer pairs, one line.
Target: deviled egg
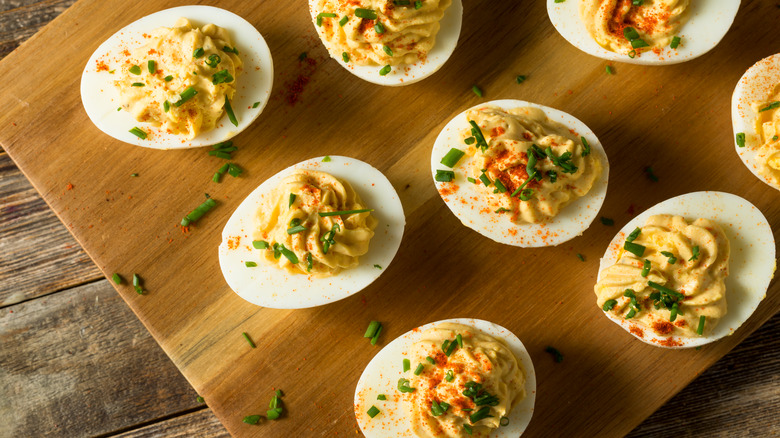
{"points": [[183, 77], [328, 253], [460, 377], [688, 271], [755, 116], [651, 32], [520, 173], [389, 42]]}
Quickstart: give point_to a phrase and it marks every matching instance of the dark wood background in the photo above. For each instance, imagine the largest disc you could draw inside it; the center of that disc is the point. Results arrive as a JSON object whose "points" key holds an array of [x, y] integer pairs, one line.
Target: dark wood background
{"points": [[75, 361]]}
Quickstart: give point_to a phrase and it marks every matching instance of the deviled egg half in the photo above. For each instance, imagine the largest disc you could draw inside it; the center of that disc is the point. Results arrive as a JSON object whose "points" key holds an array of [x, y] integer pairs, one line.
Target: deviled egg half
{"points": [[688, 271], [520, 173], [755, 116], [457, 377], [651, 32], [183, 77], [316, 232], [389, 42]]}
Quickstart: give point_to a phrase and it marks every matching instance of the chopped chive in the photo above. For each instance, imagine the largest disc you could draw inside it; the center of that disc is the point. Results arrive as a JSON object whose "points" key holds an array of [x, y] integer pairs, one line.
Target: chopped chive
{"points": [[585, 146], [309, 262], [439, 408], [260, 244], [407, 365], [450, 376], [152, 66], [230, 114], [296, 229], [199, 211], [634, 248], [771, 106], [741, 139], [419, 369], [639, 43], [137, 84], [230, 50], [378, 267], [387, 50], [324, 15], [224, 168], [610, 70], [695, 254], [368, 14], [186, 95], [485, 180], [256, 104], [581, 257], [452, 157], [520, 79], [504, 421], [646, 268], [345, 56], [557, 356], [481, 414], [326, 159], [445, 345], [213, 60], [136, 280], [343, 21], [450, 348], [631, 313], [637, 2], [665, 290], [650, 174], [774, 138], [248, 340], [274, 414], [632, 54], [250, 264], [198, 52], [117, 278], [220, 154], [526, 194], [466, 427], [402, 2], [343, 212], [607, 221], [471, 180], [459, 340], [291, 200], [608, 305], [379, 28], [500, 187], [119, 109], [502, 210], [134, 174], [138, 132], [634, 234], [166, 106], [476, 90], [477, 133], [675, 42], [381, 397], [136, 70], [417, 4], [700, 328], [671, 258], [234, 170], [168, 78], [673, 313], [252, 419], [373, 326], [289, 255], [221, 77], [385, 70], [200, 399], [630, 33], [403, 385], [373, 411], [469, 140], [431, 360], [553, 175], [375, 338]]}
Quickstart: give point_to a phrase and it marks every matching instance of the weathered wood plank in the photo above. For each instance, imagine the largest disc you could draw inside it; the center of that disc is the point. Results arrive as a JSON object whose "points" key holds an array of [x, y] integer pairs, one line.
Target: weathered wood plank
{"points": [[20, 19], [79, 363], [39, 255], [202, 423]]}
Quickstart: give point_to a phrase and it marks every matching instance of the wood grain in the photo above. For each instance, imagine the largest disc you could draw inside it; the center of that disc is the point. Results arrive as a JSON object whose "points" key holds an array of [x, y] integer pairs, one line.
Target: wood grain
{"points": [[20, 19], [198, 321], [78, 363], [202, 423], [39, 255]]}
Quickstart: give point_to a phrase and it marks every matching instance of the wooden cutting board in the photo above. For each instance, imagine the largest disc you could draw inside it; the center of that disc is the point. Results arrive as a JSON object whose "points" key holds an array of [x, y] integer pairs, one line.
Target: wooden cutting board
{"points": [[675, 118]]}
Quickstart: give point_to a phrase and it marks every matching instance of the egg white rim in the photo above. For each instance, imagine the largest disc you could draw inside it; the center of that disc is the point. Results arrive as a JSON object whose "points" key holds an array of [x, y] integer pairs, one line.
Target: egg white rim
{"points": [[708, 23], [269, 286], [571, 222], [101, 99], [385, 369], [404, 74], [751, 242], [756, 84]]}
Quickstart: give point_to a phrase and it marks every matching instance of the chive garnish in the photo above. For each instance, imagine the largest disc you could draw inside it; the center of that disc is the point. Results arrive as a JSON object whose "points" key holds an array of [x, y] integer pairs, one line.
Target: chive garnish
{"points": [[673, 313], [134, 174], [200, 399], [675, 42], [186, 95], [417, 4], [607, 221], [476, 90], [520, 188], [379, 28], [631, 313], [636, 44], [444, 175], [231, 115], [375, 338], [585, 147], [345, 56], [151, 66], [665, 290], [646, 268], [459, 340], [251, 419], [671, 258], [387, 50], [198, 52], [471, 180], [368, 14], [419, 369], [581, 257], [438, 409], [339, 213], [407, 365], [695, 254], [634, 248], [485, 180], [373, 326], [771, 106], [431, 360], [199, 211], [166, 106], [343, 20], [452, 157], [221, 77], [450, 348], [230, 50], [326, 159], [288, 254], [500, 187], [634, 234], [213, 60], [610, 70], [553, 175], [700, 328], [117, 278], [249, 340], [630, 33], [520, 79], [477, 133], [256, 104], [469, 140], [481, 414], [504, 421], [608, 305], [260, 244], [403, 385], [466, 427], [450, 376], [381, 397], [296, 229], [385, 70], [250, 264], [632, 54], [378, 267], [650, 174], [138, 132], [502, 210], [322, 15], [373, 411], [136, 70], [291, 201], [557, 356]]}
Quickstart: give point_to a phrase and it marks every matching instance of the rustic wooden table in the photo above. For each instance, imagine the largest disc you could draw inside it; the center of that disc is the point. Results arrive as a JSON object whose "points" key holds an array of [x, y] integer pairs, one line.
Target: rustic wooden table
{"points": [[75, 361]]}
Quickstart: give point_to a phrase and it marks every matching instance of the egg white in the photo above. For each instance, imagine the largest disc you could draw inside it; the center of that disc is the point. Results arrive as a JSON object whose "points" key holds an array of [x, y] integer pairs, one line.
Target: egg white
{"points": [[101, 98], [756, 84], [383, 371], [571, 222], [751, 266], [405, 74], [269, 286], [707, 24]]}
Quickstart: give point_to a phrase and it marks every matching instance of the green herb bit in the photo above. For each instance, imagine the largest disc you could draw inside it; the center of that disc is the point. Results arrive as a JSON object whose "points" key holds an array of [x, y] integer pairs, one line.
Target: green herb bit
{"points": [[289, 254], [166, 106], [199, 211], [481, 414], [379, 28], [450, 376], [637, 2], [700, 328], [444, 175], [138, 132], [375, 338], [476, 90], [520, 79], [500, 187], [252, 419], [607, 221], [381, 397], [630, 33], [553, 175], [438, 409], [609, 305], [250, 264], [248, 340], [585, 147], [581, 257], [119, 109], [557, 356], [256, 104], [504, 421], [431, 360], [274, 414], [368, 14], [650, 174], [741, 139], [117, 278], [646, 268], [322, 15], [774, 138], [295, 229], [136, 70], [373, 326], [634, 234], [230, 50], [469, 140], [168, 78], [309, 262], [260, 244], [213, 60], [326, 159], [221, 77], [636, 44], [378, 267], [695, 255], [407, 365], [221, 154], [198, 52], [385, 70], [224, 168], [564, 161], [610, 70], [343, 21], [526, 194], [459, 340], [134, 175], [502, 210], [234, 170], [634, 248], [450, 348], [485, 180], [675, 42], [343, 212], [291, 200], [419, 369], [631, 313], [417, 4], [231, 115], [186, 95], [387, 50], [673, 313], [771, 106], [345, 56], [471, 180], [665, 290], [671, 258], [200, 399], [632, 54], [373, 411], [403, 386], [466, 427], [452, 157], [477, 133]]}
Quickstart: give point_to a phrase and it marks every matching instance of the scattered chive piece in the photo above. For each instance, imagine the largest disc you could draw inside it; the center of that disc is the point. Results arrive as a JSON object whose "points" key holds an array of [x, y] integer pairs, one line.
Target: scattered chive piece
{"points": [[695, 254], [607, 221], [256, 104], [520, 79], [552, 175], [224, 168], [450, 348], [403, 385], [504, 421], [477, 133], [339, 213], [246, 336], [221, 77], [632, 54], [152, 66], [168, 78], [385, 70], [419, 369], [368, 14], [636, 44], [476, 90], [774, 138], [407, 365], [452, 157], [136, 70], [373, 411], [646, 268], [289, 254], [278, 392], [345, 56], [220, 154], [136, 280], [450, 376], [771, 106], [234, 170], [700, 328], [581, 257], [230, 50], [138, 132], [199, 211], [260, 244], [741, 139], [250, 264], [630, 33], [292, 200], [610, 70], [378, 267], [675, 42], [186, 95], [387, 50], [326, 159], [634, 248], [481, 414], [466, 427], [134, 174], [119, 109], [557, 356], [634, 234], [500, 187], [166, 106], [373, 326], [608, 305], [309, 262], [469, 140], [650, 174], [672, 259], [438, 409], [431, 360], [673, 313], [200, 399], [417, 4], [117, 278], [324, 15], [485, 180], [459, 340], [471, 180], [665, 290], [375, 338], [502, 210], [213, 60], [343, 21], [198, 52], [630, 314], [585, 147], [252, 419], [273, 414], [379, 28], [381, 397], [230, 114]]}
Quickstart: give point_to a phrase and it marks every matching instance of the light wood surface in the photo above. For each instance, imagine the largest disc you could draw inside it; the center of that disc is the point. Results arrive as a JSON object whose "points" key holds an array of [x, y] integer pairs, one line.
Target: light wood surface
{"points": [[216, 324]]}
